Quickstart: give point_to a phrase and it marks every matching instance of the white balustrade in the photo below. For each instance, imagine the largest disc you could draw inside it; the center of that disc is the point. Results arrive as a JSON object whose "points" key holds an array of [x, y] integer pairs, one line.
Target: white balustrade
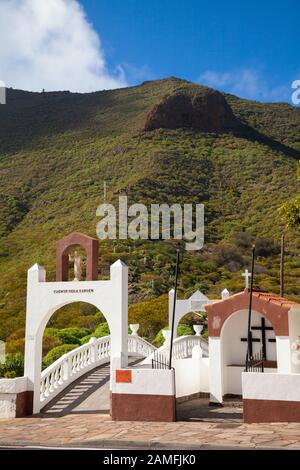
{"points": [[96, 352], [182, 348], [139, 347], [81, 360]]}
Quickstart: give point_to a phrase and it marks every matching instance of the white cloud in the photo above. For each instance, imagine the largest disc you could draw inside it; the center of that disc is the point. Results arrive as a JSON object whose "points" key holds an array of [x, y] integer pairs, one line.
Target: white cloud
{"points": [[50, 44], [137, 74], [246, 83]]}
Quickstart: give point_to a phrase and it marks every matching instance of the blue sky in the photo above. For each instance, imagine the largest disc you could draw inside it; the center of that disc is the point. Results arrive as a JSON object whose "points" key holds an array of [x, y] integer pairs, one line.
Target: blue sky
{"points": [[248, 48], [244, 47]]}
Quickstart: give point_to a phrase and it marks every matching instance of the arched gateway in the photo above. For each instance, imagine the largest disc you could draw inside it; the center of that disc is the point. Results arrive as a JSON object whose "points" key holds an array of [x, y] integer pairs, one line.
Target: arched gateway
{"points": [[273, 328], [44, 298]]}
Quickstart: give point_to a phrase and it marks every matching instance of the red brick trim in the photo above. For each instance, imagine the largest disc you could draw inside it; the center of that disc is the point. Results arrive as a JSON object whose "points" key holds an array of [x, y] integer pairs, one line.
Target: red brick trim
{"points": [[133, 407], [276, 311], [271, 411], [24, 404], [66, 245]]}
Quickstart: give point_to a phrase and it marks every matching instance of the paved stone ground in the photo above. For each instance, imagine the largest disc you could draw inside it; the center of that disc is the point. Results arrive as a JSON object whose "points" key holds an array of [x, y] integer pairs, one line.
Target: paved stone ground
{"points": [[98, 431], [198, 410], [198, 427], [79, 417]]}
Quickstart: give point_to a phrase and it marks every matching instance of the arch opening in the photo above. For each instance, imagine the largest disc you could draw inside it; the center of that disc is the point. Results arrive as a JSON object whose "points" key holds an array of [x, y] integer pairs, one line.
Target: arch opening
{"points": [[234, 347], [69, 327], [192, 323], [66, 245], [72, 324]]}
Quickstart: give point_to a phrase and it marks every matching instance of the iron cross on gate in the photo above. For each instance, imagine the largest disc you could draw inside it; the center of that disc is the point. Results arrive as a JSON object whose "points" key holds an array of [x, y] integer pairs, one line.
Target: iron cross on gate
{"points": [[263, 328]]}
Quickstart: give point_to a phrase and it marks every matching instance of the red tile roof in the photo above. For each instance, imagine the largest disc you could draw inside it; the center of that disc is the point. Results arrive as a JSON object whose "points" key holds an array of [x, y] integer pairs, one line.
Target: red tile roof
{"points": [[275, 298]]}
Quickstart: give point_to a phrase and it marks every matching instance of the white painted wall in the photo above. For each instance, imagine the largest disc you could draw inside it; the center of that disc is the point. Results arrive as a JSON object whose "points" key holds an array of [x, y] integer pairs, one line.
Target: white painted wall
{"points": [[191, 376], [9, 388], [215, 370], [233, 379], [283, 348], [272, 386], [147, 382], [44, 298], [294, 332]]}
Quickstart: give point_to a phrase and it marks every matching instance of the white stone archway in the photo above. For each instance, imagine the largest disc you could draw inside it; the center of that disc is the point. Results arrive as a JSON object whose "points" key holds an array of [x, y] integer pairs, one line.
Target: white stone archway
{"points": [[45, 298], [195, 303]]}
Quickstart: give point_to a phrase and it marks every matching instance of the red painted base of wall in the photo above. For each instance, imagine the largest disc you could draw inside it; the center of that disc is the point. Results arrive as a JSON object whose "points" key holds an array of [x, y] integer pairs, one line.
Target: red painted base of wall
{"points": [[24, 404], [132, 407], [271, 411]]}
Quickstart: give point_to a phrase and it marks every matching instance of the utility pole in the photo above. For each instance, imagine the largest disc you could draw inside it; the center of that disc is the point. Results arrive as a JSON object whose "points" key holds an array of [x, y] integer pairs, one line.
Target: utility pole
{"points": [[282, 264], [174, 308], [249, 336]]}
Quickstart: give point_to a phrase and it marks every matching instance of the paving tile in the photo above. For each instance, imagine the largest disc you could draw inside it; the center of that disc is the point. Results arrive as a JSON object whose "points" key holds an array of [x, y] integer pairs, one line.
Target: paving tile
{"points": [[205, 428]]}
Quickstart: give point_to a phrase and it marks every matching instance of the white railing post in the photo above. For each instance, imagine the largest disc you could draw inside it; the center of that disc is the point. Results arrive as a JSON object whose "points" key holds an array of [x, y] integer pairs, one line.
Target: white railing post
{"points": [[65, 368], [93, 349]]}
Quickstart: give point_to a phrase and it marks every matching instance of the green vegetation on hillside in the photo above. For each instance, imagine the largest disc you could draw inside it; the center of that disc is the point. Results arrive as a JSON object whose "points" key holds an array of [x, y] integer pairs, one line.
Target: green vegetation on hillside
{"points": [[56, 151]]}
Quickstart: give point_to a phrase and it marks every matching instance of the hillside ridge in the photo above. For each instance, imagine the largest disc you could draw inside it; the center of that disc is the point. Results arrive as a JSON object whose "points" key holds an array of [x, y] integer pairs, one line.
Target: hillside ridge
{"points": [[58, 148]]}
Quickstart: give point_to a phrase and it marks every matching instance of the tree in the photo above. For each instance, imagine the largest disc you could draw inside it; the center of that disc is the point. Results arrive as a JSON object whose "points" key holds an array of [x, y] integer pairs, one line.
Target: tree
{"points": [[290, 210]]}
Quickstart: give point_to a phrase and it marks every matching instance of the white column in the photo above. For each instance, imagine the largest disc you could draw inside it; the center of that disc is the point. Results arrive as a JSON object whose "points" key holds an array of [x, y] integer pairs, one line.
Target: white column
{"points": [[215, 370], [33, 335], [283, 353], [170, 304], [119, 318]]}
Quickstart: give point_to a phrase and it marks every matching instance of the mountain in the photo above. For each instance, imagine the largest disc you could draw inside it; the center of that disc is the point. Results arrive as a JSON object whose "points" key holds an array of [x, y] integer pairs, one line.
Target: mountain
{"points": [[163, 141]]}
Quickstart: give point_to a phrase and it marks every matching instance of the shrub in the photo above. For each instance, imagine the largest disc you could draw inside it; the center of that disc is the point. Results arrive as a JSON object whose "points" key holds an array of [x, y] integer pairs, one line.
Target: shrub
{"points": [[227, 255], [67, 338], [88, 322], [18, 334], [13, 364], [51, 332], [85, 339], [15, 346], [159, 339], [266, 247], [152, 315], [184, 330], [56, 353], [77, 332], [11, 374], [101, 330], [50, 342], [242, 240]]}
